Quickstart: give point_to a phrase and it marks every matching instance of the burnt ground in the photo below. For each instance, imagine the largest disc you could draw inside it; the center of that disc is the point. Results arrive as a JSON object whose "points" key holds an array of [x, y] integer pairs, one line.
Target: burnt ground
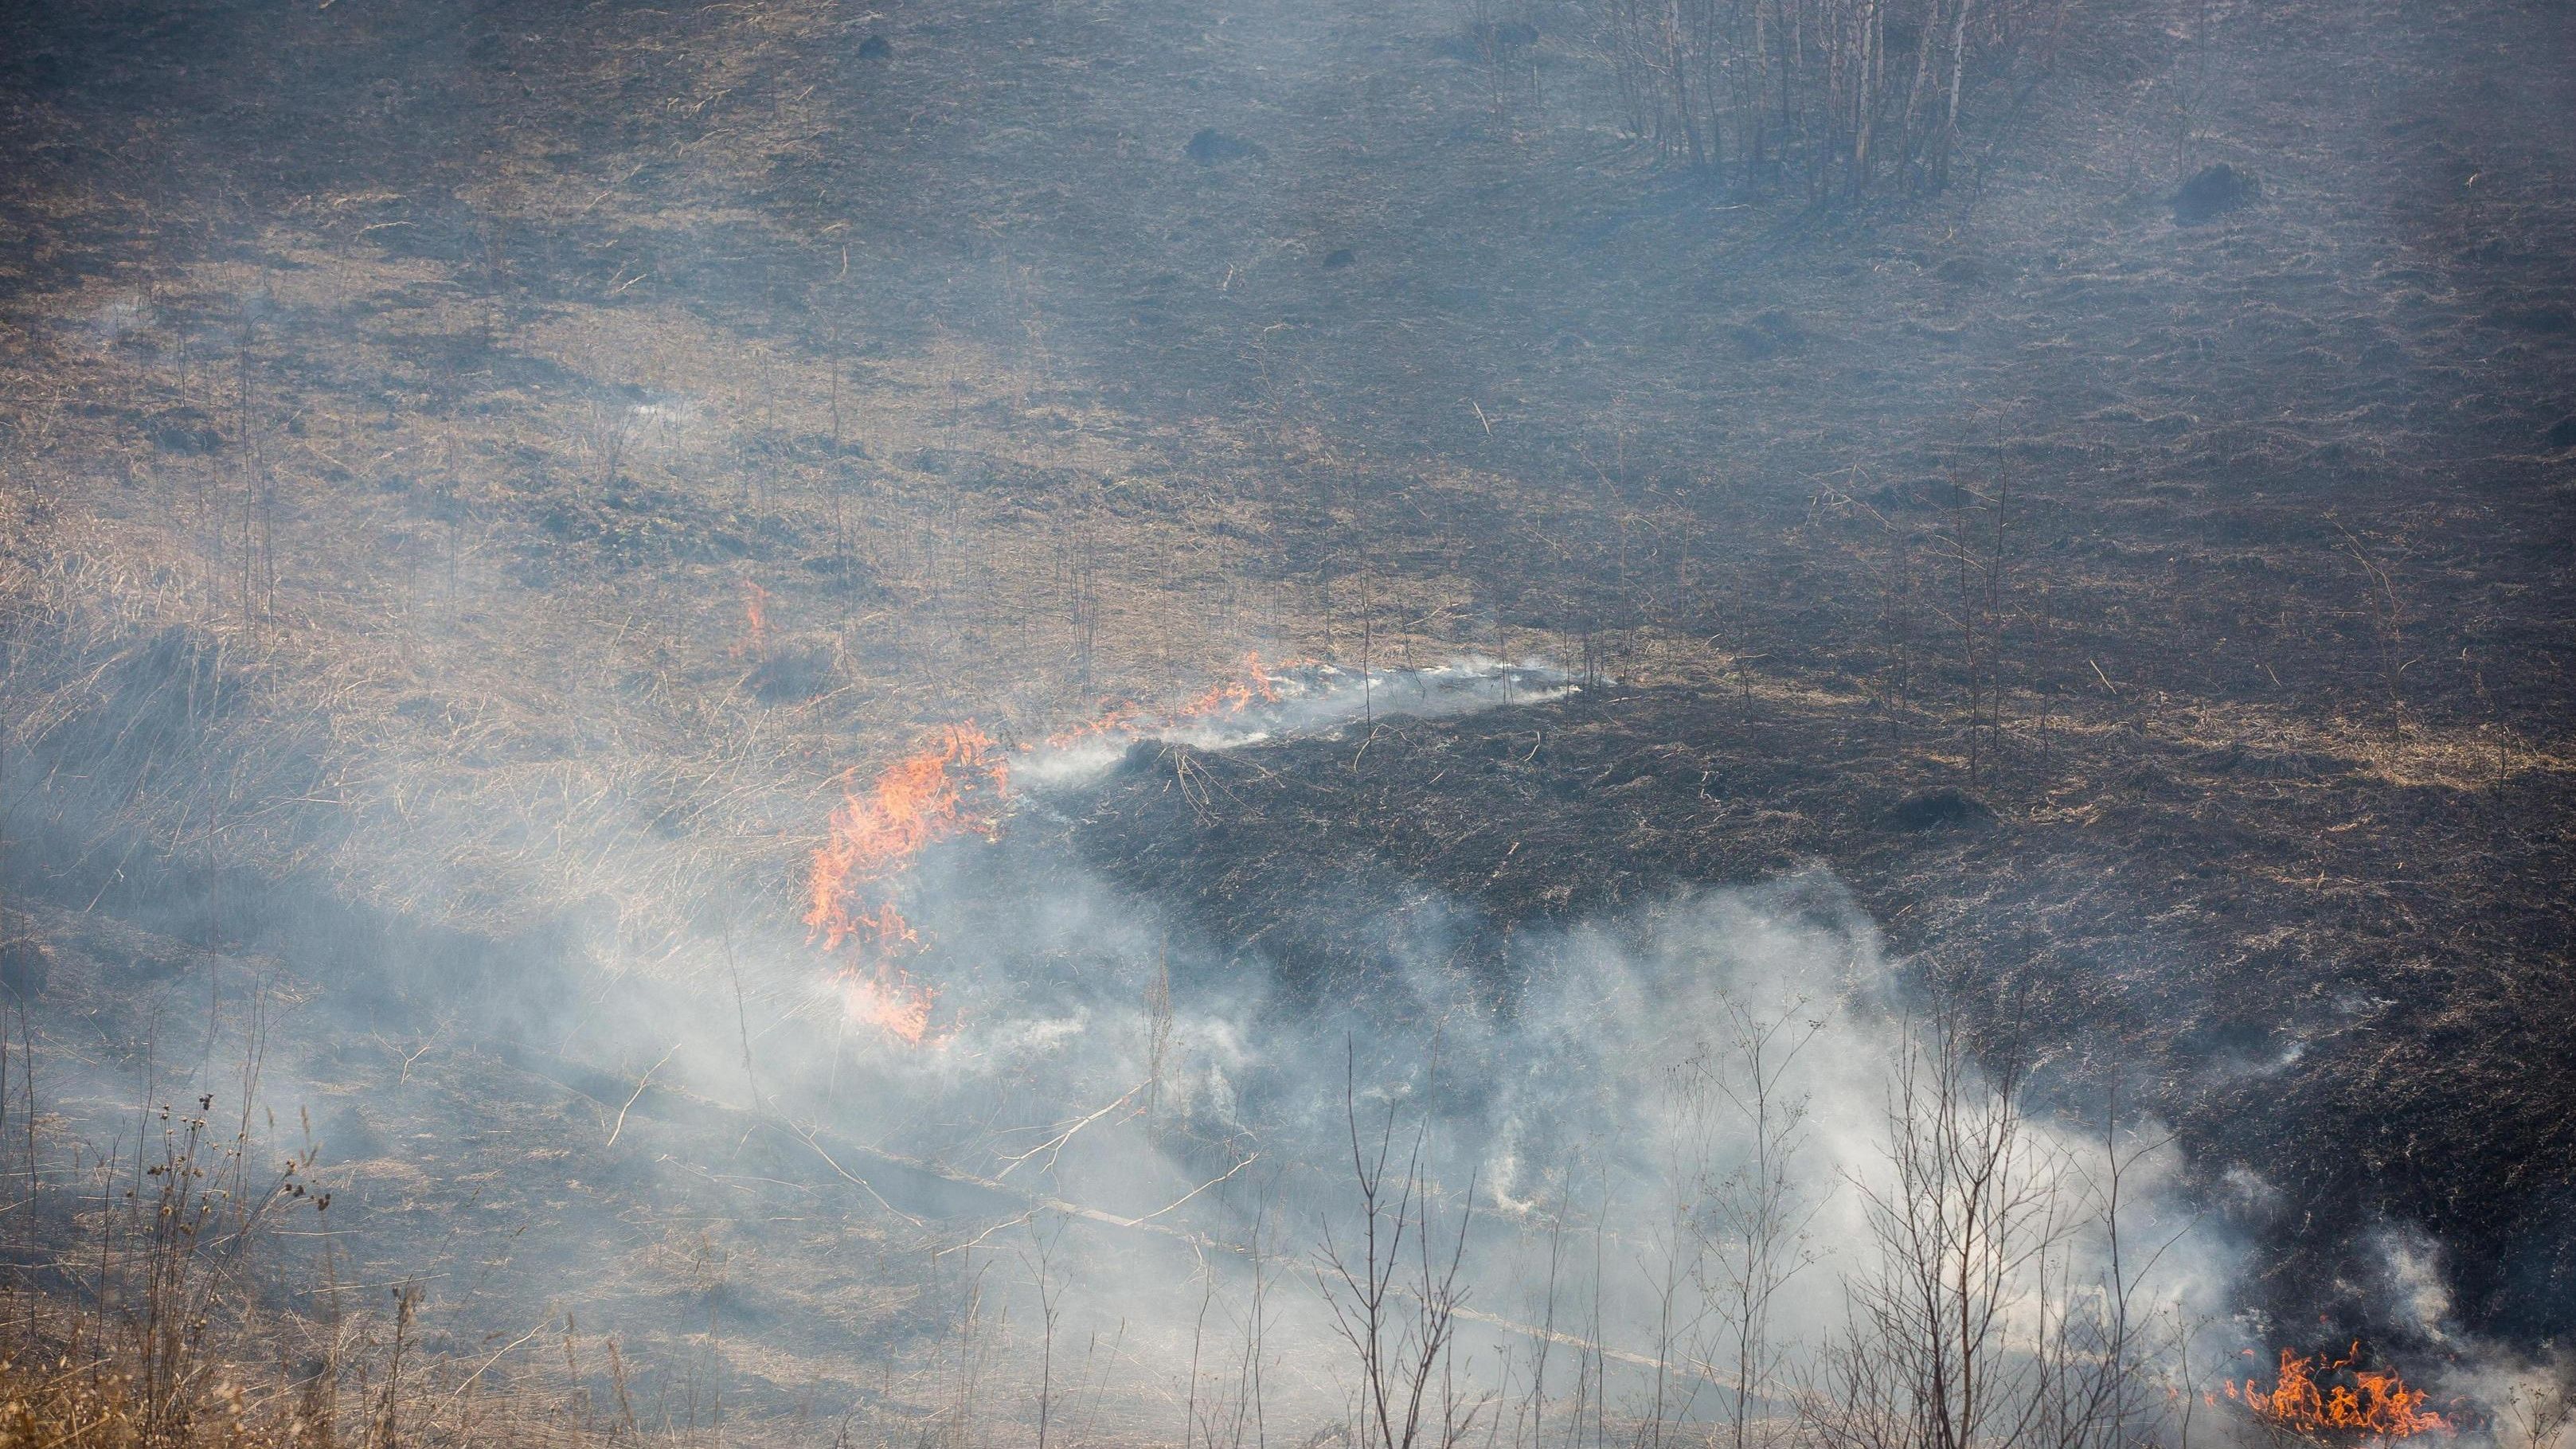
{"points": [[2222, 564], [2329, 980]]}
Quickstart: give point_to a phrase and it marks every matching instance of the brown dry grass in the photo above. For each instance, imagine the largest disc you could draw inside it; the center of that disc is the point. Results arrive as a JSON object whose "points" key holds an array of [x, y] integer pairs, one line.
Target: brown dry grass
{"points": [[1109, 425]]}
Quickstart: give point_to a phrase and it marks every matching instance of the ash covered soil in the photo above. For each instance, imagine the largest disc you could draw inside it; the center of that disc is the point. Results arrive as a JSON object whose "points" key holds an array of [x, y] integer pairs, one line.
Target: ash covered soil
{"points": [[2321, 977], [2161, 622]]}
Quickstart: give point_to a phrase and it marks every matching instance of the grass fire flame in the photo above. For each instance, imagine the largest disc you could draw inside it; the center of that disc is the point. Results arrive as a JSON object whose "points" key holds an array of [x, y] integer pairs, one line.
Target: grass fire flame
{"points": [[2307, 1400], [1227, 698], [958, 785]]}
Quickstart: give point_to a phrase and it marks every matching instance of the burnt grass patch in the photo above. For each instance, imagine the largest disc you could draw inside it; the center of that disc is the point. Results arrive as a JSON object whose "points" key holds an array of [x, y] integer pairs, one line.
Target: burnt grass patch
{"points": [[2192, 945]]}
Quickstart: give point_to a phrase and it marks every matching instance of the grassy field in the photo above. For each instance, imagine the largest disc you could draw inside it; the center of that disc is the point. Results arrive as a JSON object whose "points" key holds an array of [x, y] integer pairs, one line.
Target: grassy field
{"points": [[477, 484]]}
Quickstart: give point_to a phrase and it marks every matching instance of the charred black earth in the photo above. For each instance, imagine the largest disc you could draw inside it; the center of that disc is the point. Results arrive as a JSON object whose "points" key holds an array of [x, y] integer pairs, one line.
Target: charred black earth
{"points": [[2177, 923]]}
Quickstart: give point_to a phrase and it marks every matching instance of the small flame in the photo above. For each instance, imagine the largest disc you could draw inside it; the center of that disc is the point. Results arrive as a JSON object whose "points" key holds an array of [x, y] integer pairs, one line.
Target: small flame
{"points": [[883, 994], [755, 623], [2377, 1404], [1256, 685], [1232, 696]]}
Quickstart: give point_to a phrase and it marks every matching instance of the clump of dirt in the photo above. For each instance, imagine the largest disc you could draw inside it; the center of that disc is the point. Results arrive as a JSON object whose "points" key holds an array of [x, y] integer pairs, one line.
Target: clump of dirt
{"points": [[1211, 146], [793, 674], [2211, 192], [1938, 809]]}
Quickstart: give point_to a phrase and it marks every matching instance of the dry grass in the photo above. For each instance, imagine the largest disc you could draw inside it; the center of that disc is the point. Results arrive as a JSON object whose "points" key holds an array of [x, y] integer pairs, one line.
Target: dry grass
{"points": [[430, 554]]}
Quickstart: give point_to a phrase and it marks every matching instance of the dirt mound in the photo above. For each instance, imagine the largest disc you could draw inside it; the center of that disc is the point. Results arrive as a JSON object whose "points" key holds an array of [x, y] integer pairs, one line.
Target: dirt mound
{"points": [[2211, 192], [1211, 146], [1938, 809]]}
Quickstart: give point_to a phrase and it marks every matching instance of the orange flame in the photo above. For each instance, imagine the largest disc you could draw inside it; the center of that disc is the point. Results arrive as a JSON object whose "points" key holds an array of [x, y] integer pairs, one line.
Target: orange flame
{"points": [[1227, 697], [954, 788], [2377, 1405], [939, 793], [958, 786], [755, 623], [1232, 696], [882, 993]]}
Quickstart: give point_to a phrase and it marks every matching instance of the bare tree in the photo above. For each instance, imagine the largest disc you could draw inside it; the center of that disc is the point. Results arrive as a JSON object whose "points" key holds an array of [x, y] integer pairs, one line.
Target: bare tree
{"points": [[2087, 1352], [2002, 1308], [1394, 1297], [1763, 1209], [1967, 1208]]}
